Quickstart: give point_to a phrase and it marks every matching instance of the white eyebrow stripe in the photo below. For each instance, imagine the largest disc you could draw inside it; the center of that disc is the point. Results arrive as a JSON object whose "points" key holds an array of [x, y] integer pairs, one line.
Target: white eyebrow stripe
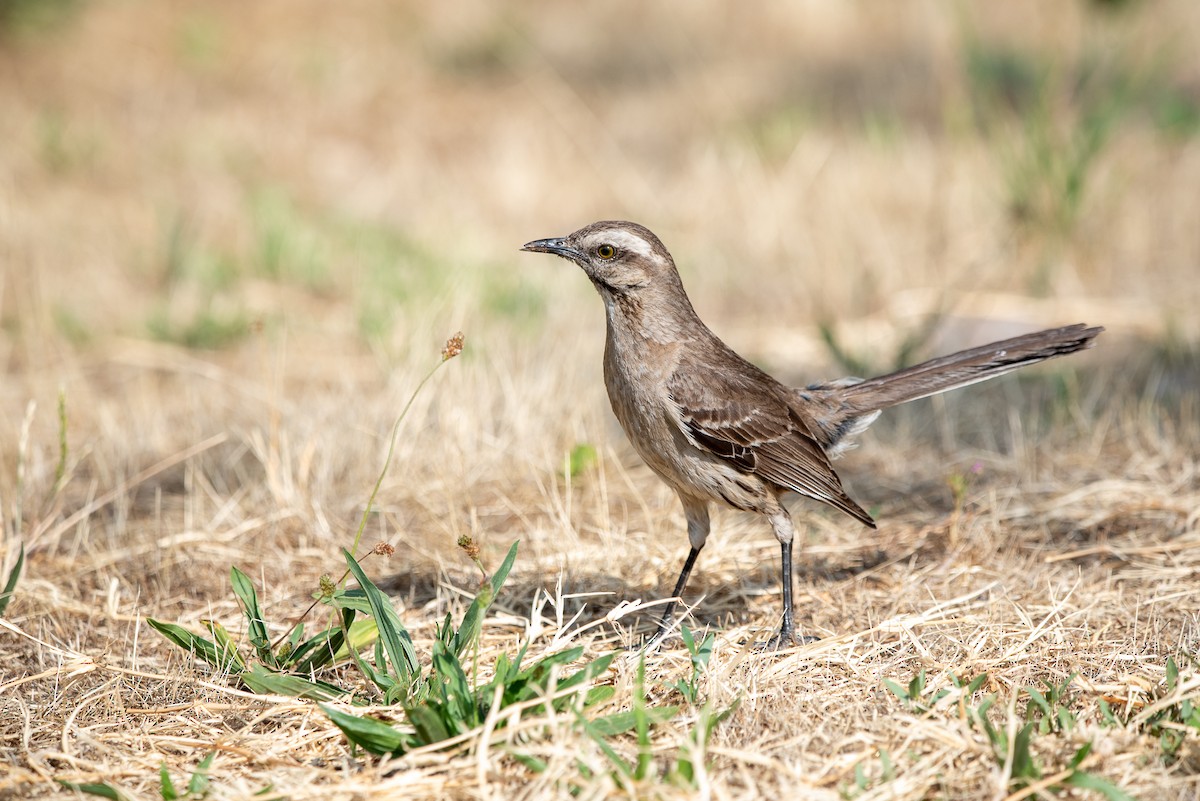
{"points": [[624, 240]]}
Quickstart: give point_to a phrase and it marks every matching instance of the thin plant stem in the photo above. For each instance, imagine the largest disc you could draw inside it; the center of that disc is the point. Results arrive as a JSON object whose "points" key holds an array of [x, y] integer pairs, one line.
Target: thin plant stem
{"points": [[362, 524], [453, 347]]}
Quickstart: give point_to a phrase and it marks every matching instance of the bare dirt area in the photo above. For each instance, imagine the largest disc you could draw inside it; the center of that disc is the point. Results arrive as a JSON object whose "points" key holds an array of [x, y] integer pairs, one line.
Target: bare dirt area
{"points": [[234, 239]]}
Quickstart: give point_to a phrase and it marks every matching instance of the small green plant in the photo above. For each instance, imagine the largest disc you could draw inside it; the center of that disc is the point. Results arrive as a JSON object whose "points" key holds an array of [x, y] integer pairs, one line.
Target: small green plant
{"points": [[911, 695], [1024, 769], [700, 654], [1046, 713], [1056, 122], [631, 774], [439, 701], [62, 475], [29, 17], [291, 248], [917, 701], [691, 757], [197, 786], [286, 666], [863, 781], [1050, 709], [1049, 716], [440, 698], [208, 329], [1169, 716], [10, 584], [447, 699], [960, 484], [909, 348], [581, 458]]}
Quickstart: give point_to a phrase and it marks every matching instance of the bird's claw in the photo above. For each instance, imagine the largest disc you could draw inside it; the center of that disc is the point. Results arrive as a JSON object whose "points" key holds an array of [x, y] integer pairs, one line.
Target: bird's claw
{"points": [[783, 640]]}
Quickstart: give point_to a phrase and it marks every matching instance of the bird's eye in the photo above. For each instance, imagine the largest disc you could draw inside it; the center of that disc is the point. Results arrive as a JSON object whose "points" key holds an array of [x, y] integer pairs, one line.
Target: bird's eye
{"points": [[606, 251]]}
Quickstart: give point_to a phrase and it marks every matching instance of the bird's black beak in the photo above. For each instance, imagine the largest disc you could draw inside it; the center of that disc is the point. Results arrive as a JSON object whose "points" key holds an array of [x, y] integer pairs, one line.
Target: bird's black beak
{"points": [[556, 246]]}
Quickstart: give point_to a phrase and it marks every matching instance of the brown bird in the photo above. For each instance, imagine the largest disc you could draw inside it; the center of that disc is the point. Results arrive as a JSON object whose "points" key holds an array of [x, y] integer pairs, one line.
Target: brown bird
{"points": [[718, 429]]}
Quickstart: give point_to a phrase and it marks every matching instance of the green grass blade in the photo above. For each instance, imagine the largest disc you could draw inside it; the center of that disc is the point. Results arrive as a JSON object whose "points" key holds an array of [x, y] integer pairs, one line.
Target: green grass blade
{"points": [[533, 680], [379, 678], [431, 727], [373, 736], [623, 767], [392, 633], [221, 659], [317, 651], [1038, 700], [532, 764], [1023, 764], [1081, 754], [621, 722], [223, 641], [451, 681], [641, 722], [243, 588], [10, 586], [360, 634], [100, 789], [689, 640], [503, 670], [598, 695], [263, 680], [896, 690], [885, 760], [166, 787], [333, 645], [472, 620], [293, 641], [198, 785], [1090, 781], [591, 670], [351, 598], [542, 667]]}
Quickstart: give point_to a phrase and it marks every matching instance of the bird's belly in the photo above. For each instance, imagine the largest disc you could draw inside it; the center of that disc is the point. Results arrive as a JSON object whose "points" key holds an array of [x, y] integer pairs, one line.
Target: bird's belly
{"points": [[649, 421]]}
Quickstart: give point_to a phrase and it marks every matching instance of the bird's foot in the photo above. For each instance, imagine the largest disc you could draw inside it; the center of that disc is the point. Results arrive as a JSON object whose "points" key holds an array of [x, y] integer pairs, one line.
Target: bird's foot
{"points": [[786, 638], [664, 634]]}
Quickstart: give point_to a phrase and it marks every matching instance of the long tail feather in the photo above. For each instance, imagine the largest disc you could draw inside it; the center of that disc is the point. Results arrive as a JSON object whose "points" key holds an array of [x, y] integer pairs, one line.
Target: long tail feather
{"points": [[965, 368]]}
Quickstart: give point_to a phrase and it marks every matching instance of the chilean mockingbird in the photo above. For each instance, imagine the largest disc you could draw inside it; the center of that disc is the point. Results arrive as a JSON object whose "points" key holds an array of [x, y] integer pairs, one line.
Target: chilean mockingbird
{"points": [[717, 428]]}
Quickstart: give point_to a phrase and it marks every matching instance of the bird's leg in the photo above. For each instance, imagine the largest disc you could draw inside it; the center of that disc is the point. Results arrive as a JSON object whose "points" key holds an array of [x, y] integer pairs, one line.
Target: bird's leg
{"points": [[668, 616], [696, 513], [787, 628], [785, 532]]}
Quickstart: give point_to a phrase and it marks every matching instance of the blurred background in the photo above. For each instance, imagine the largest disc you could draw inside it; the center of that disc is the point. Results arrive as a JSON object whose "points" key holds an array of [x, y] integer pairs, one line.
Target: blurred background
{"points": [[179, 171], [264, 218]]}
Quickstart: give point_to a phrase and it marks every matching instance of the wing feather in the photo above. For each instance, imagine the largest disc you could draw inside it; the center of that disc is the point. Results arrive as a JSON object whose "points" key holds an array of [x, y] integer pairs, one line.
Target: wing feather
{"points": [[744, 417]]}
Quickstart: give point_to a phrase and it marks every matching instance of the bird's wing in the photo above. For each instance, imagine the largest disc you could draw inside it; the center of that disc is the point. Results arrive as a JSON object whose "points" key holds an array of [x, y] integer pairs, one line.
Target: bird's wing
{"points": [[741, 415]]}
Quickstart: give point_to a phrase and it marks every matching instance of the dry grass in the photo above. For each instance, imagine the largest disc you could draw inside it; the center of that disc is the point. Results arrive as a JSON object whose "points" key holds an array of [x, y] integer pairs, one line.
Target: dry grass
{"points": [[234, 236]]}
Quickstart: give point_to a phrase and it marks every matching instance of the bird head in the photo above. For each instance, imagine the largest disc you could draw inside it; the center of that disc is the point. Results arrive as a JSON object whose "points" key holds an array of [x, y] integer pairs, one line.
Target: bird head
{"points": [[619, 257]]}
